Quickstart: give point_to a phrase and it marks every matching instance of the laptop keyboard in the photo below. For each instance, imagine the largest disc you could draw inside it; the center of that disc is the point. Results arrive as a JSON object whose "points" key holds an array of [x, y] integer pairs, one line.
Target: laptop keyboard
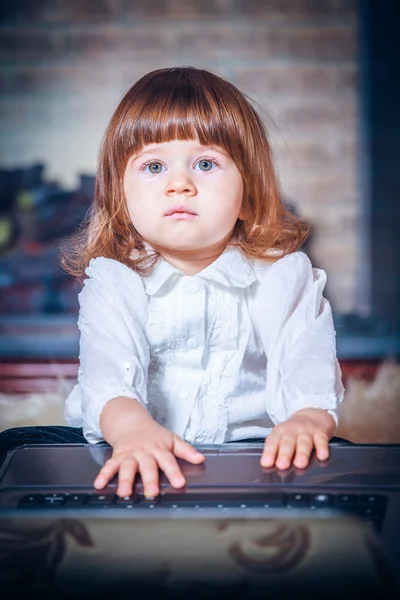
{"points": [[368, 507]]}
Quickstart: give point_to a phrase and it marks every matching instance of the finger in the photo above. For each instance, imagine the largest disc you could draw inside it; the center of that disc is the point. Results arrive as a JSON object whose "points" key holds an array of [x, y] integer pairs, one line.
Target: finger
{"points": [[321, 443], [271, 446], [148, 468], [286, 451], [126, 476], [170, 466], [304, 448], [109, 471], [186, 451]]}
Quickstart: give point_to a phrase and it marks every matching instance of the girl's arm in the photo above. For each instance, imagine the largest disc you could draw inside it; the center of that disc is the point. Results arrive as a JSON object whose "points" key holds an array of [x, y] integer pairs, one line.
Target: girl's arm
{"points": [[119, 416], [112, 382], [114, 352], [304, 383], [142, 446]]}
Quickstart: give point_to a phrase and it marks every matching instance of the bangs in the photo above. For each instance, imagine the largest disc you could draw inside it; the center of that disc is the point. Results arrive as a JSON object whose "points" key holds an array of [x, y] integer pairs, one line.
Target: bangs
{"points": [[185, 103], [182, 104]]}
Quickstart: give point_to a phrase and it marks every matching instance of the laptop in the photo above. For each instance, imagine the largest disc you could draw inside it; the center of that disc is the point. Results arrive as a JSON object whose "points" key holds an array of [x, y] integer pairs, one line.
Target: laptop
{"points": [[358, 487], [91, 557]]}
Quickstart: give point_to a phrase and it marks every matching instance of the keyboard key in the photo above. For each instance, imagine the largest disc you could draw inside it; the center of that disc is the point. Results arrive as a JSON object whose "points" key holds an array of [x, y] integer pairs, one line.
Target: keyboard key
{"points": [[372, 500], [30, 501], [370, 511], [76, 499], [148, 504], [100, 499], [346, 501], [320, 500], [179, 498], [269, 500], [126, 500], [143, 502], [297, 500], [54, 500]]}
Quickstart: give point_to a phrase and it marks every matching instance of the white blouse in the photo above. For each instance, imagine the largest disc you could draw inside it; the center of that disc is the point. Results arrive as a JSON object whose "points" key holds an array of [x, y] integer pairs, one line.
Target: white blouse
{"points": [[218, 356]]}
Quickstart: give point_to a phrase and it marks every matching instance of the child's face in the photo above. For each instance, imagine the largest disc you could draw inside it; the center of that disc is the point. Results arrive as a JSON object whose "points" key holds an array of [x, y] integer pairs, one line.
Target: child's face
{"points": [[183, 197]]}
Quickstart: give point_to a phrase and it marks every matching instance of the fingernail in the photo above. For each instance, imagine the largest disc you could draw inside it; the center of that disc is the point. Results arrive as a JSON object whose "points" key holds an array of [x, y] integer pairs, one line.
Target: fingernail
{"points": [[150, 493], [99, 482]]}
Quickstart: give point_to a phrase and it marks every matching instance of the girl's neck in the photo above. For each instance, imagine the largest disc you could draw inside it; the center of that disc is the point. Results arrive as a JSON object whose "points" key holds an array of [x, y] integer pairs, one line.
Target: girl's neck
{"points": [[190, 265]]}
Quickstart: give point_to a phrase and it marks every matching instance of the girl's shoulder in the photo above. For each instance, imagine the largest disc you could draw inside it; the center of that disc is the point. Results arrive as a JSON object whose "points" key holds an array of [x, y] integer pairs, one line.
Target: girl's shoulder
{"points": [[109, 268], [295, 265], [110, 283], [113, 274]]}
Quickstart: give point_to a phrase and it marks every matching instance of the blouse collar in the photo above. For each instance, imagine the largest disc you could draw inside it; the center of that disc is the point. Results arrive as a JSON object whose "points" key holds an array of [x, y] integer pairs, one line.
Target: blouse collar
{"points": [[230, 269]]}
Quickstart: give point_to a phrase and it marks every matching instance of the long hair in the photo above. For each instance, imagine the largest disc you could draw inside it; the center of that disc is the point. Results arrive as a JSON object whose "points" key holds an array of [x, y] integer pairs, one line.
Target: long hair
{"points": [[184, 103]]}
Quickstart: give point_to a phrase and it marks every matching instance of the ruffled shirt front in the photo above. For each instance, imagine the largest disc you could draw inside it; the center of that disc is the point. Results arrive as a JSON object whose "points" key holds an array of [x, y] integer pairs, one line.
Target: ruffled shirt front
{"points": [[218, 356]]}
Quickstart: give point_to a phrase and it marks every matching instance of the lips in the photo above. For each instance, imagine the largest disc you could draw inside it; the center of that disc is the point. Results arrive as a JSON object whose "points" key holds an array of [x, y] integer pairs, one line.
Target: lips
{"points": [[180, 210]]}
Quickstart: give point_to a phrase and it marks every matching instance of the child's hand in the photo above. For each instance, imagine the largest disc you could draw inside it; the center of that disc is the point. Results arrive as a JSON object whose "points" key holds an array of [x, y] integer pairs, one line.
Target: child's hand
{"points": [[295, 439], [145, 449]]}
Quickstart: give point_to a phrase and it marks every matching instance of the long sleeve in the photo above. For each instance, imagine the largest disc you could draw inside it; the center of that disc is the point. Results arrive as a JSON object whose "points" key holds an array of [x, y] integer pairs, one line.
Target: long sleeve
{"points": [[297, 332], [114, 353]]}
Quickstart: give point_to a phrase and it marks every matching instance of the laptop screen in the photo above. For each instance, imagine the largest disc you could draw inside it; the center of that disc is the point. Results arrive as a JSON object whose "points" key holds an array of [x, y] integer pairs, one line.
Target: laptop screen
{"points": [[213, 557]]}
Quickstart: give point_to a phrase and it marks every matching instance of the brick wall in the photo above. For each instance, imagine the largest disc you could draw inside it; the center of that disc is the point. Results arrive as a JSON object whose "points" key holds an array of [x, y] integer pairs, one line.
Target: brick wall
{"points": [[64, 64]]}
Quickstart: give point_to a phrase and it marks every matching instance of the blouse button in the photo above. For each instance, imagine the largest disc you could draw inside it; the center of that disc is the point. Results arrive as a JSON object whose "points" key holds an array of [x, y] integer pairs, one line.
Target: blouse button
{"points": [[193, 287], [184, 394], [191, 343]]}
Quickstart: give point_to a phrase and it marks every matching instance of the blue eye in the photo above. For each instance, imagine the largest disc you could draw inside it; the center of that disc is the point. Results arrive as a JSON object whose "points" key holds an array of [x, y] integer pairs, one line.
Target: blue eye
{"points": [[205, 164], [154, 168]]}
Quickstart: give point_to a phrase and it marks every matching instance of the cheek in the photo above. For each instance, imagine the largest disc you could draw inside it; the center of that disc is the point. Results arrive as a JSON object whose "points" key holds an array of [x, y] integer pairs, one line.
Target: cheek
{"points": [[233, 189], [234, 199], [140, 218], [128, 196], [135, 213], [230, 189], [225, 215], [239, 199], [130, 206], [134, 202], [226, 204]]}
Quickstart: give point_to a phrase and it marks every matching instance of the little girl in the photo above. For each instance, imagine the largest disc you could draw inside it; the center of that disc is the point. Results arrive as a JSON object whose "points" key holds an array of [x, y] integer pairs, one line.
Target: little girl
{"points": [[200, 320]]}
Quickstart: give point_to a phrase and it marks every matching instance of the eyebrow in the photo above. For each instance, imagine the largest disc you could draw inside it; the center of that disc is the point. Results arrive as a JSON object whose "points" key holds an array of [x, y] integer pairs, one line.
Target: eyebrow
{"points": [[157, 150]]}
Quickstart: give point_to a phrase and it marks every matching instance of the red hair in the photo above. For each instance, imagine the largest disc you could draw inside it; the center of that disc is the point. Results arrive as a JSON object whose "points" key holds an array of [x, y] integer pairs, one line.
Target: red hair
{"points": [[183, 103]]}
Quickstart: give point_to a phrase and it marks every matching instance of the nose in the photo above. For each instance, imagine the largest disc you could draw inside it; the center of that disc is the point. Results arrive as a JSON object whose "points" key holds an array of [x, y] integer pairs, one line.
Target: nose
{"points": [[180, 183]]}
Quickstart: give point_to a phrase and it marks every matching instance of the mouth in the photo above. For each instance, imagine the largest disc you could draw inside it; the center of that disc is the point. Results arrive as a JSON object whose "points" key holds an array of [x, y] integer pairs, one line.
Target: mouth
{"points": [[182, 212]]}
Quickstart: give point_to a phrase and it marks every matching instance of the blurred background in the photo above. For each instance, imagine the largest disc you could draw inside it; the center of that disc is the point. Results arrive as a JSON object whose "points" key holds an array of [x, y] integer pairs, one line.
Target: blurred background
{"points": [[324, 76]]}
